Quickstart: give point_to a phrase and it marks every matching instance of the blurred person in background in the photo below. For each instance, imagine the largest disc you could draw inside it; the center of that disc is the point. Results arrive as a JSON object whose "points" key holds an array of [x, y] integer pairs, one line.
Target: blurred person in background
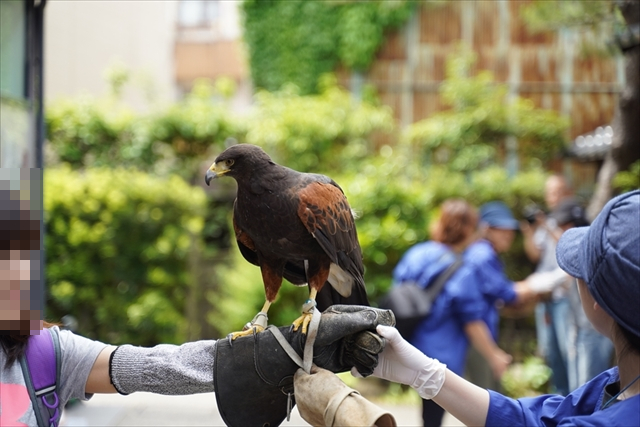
{"points": [[457, 313], [588, 351], [497, 231], [553, 311]]}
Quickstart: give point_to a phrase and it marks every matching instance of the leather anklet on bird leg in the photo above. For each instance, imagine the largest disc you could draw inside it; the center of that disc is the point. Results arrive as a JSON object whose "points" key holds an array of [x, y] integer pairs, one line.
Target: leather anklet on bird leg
{"points": [[307, 311], [258, 323]]}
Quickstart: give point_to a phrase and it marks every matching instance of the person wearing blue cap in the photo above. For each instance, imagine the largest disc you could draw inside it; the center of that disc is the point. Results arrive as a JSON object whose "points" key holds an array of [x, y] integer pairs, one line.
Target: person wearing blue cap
{"points": [[604, 258], [497, 231]]}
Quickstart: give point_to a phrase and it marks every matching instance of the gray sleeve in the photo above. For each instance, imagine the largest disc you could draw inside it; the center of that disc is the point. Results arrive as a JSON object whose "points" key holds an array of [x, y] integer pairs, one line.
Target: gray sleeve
{"points": [[78, 356], [164, 369]]}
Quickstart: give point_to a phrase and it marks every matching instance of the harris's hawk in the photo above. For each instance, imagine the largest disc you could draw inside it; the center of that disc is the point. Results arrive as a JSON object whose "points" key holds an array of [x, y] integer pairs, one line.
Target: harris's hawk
{"points": [[293, 225]]}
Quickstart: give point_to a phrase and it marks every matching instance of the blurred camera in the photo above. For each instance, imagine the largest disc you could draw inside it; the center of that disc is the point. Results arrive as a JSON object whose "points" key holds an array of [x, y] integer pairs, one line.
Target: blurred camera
{"points": [[531, 212]]}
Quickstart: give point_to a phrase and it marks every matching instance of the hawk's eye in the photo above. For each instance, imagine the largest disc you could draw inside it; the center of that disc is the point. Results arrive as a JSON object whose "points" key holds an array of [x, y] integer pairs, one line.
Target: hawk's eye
{"points": [[228, 162]]}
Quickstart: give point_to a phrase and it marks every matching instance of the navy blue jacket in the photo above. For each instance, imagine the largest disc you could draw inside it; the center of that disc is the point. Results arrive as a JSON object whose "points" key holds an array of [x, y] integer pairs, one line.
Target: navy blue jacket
{"points": [[580, 408]]}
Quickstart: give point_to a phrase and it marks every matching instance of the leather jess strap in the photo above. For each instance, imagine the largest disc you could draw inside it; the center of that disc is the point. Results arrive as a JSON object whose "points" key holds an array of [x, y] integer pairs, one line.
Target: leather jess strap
{"points": [[312, 332]]}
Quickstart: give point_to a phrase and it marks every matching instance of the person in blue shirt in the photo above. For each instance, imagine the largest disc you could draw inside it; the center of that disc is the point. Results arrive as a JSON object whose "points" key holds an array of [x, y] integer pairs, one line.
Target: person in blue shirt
{"points": [[604, 258], [497, 231], [457, 313]]}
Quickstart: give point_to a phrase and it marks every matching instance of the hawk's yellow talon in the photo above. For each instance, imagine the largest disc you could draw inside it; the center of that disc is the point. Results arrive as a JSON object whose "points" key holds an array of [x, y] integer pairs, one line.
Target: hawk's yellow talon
{"points": [[303, 321], [246, 332]]}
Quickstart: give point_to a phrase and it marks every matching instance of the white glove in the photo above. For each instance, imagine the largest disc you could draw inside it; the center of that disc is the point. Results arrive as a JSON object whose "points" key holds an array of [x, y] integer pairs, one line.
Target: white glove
{"points": [[401, 362]]}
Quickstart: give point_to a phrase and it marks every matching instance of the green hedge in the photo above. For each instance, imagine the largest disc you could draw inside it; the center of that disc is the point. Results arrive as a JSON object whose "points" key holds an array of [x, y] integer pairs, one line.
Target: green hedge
{"points": [[88, 132], [118, 245]]}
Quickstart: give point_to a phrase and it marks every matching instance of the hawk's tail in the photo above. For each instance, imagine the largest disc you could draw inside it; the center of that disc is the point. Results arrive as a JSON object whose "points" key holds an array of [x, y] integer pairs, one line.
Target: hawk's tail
{"points": [[329, 296]]}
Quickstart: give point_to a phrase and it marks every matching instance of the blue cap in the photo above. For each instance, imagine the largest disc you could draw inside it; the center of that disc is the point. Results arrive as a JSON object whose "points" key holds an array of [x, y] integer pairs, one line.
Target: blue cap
{"points": [[498, 215], [606, 255]]}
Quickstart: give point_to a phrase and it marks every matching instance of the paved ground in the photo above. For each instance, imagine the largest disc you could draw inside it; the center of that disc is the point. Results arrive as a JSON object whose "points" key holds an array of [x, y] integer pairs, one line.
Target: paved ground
{"points": [[146, 409]]}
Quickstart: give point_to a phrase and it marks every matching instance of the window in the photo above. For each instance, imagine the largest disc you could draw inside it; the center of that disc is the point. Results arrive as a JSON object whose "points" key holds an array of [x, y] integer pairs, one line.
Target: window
{"points": [[197, 13], [12, 48], [21, 110]]}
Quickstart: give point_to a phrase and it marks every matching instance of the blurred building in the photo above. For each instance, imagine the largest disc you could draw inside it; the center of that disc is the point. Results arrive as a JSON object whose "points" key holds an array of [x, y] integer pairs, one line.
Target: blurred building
{"points": [[21, 118], [84, 39], [163, 45], [208, 45]]}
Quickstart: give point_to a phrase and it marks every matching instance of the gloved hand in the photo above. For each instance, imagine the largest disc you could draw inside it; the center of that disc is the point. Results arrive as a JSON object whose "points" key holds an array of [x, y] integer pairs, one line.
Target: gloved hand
{"points": [[346, 338], [253, 375], [324, 400], [402, 363]]}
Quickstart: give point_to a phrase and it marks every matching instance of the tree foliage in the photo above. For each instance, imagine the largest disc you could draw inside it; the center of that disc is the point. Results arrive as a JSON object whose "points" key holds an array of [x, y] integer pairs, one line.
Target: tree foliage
{"points": [[194, 127], [527, 379], [298, 41], [595, 21], [87, 131], [628, 180], [472, 133]]}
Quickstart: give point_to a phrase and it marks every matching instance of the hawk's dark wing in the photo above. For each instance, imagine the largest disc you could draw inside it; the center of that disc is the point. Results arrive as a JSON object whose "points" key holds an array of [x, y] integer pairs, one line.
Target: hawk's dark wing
{"points": [[326, 214]]}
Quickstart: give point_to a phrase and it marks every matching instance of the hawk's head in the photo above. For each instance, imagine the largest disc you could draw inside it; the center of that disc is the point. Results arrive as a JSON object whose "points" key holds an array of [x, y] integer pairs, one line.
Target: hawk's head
{"points": [[238, 161]]}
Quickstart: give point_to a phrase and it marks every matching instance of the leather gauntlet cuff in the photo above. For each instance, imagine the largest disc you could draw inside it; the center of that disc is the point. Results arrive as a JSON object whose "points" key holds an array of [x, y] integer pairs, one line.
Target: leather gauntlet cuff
{"points": [[253, 379]]}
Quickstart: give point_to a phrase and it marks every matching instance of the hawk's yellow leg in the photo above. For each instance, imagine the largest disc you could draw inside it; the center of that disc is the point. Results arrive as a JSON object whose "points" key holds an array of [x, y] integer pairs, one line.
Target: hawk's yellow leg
{"points": [[308, 308]]}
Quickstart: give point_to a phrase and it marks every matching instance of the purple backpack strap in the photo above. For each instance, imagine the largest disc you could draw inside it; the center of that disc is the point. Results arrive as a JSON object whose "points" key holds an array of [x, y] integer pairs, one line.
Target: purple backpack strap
{"points": [[41, 369]]}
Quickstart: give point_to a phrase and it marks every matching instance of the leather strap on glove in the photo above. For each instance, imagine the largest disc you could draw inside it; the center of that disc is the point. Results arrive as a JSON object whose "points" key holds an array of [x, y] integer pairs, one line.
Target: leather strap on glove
{"points": [[253, 376]]}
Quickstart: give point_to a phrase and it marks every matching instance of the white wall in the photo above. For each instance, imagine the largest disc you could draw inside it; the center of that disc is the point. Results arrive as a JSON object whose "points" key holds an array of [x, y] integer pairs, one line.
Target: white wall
{"points": [[84, 38]]}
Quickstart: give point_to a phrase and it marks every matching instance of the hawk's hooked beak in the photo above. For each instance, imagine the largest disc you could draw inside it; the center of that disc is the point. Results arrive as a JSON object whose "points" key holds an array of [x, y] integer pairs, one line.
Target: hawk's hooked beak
{"points": [[209, 176], [216, 170]]}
